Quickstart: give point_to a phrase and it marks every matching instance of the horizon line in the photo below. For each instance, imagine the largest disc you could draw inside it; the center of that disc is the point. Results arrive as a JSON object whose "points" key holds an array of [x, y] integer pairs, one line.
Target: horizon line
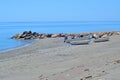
{"points": [[60, 21]]}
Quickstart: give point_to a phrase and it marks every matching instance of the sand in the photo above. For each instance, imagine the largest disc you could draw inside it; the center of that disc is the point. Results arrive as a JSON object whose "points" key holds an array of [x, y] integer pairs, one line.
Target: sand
{"points": [[52, 59]]}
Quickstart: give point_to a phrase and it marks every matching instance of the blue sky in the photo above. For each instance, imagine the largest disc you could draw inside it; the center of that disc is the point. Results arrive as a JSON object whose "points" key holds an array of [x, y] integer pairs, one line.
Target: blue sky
{"points": [[59, 10]]}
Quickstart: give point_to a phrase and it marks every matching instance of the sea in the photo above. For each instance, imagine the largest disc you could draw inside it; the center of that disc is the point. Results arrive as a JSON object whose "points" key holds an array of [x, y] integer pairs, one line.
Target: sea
{"points": [[8, 29]]}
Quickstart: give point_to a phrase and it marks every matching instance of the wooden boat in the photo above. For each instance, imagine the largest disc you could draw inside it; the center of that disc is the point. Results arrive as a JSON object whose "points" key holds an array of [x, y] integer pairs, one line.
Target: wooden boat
{"points": [[101, 39], [80, 42]]}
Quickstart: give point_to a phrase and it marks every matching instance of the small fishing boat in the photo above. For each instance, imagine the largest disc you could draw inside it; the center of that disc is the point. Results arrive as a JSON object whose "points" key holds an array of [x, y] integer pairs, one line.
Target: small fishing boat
{"points": [[76, 39], [101, 39], [80, 42]]}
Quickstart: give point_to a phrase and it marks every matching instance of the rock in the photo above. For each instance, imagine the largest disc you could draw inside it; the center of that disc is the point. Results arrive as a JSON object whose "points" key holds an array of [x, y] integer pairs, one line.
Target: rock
{"points": [[25, 32], [17, 36], [43, 36], [118, 33], [28, 37], [117, 61], [55, 35], [49, 35], [62, 35], [110, 33], [69, 37], [95, 36], [81, 35], [29, 32], [104, 36], [40, 36], [88, 77], [34, 33], [86, 70], [23, 36], [81, 79], [103, 71]]}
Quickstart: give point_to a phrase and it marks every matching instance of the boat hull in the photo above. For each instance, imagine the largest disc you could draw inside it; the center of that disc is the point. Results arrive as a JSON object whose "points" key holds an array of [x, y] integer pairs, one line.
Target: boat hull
{"points": [[101, 40], [82, 42]]}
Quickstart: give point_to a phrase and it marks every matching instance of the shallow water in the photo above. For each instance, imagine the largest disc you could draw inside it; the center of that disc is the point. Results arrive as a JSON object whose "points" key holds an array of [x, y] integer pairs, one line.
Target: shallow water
{"points": [[8, 29]]}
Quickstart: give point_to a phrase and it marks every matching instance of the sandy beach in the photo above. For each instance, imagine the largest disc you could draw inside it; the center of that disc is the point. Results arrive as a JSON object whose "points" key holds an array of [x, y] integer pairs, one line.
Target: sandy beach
{"points": [[52, 59]]}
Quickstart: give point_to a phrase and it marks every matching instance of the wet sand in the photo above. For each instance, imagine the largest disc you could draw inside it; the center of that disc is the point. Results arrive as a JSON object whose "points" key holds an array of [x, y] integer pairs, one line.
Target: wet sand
{"points": [[52, 59]]}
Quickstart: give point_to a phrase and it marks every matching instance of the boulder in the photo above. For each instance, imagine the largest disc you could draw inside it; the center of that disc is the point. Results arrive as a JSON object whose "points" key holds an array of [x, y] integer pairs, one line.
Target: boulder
{"points": [[25, 32], [55, 35], [110, 33], [49, 35], [95, 36], [118, 33], [23, 35], [34, 33], [27, 37], [62, 35], [17, 36], [29, 32], [104, 36], [43, 36], [69, 37]]}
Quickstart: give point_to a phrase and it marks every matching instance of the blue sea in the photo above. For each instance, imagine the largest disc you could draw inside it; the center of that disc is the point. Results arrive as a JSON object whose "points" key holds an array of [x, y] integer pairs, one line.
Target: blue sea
{"points": [[8, 29]]}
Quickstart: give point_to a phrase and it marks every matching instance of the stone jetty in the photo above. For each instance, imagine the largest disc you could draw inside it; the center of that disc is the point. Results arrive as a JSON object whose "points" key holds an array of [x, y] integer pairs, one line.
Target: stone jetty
{"points": [[29, 35]]}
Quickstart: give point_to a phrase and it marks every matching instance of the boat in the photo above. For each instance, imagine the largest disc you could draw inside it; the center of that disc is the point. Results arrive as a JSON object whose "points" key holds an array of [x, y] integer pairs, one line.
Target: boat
{"points": [[101, 39], [80, 42], [76, 39]]}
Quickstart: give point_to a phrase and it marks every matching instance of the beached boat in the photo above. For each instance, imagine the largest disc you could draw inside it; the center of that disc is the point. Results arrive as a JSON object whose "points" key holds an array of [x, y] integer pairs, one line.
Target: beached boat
{"points": [[76, 39], [101, 39], [80, 42]]}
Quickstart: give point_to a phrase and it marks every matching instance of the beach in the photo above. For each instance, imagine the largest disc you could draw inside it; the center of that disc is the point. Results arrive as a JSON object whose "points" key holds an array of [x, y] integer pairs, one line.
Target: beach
{"points": [[52, 59]]}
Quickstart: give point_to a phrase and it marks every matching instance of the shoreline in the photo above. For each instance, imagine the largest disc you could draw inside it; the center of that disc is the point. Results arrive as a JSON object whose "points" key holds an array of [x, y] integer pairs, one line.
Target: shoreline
{"points": [[17, 47], [27, 47]]}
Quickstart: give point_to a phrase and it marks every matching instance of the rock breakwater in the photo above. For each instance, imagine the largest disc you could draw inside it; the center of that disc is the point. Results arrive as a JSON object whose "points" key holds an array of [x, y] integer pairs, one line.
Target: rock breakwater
{"points": [[29, 35]]}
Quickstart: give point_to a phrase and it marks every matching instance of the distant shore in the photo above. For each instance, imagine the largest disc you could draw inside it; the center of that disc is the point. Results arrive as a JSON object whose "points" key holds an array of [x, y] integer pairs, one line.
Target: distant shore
{"points": [[52, 59]]}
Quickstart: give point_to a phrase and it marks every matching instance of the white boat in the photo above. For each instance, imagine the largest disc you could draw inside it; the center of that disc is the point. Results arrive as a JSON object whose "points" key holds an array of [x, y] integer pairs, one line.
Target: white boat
{"points": [[80, 42], [76, 39], [101, 39]]}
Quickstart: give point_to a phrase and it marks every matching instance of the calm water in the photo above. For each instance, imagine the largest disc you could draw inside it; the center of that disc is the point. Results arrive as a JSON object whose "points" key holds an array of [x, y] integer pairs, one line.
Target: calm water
{"points": [[8, 29]]}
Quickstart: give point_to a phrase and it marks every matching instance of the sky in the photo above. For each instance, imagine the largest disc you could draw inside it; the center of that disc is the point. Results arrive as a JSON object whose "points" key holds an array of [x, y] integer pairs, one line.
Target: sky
{"points": [[59, 10]]}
